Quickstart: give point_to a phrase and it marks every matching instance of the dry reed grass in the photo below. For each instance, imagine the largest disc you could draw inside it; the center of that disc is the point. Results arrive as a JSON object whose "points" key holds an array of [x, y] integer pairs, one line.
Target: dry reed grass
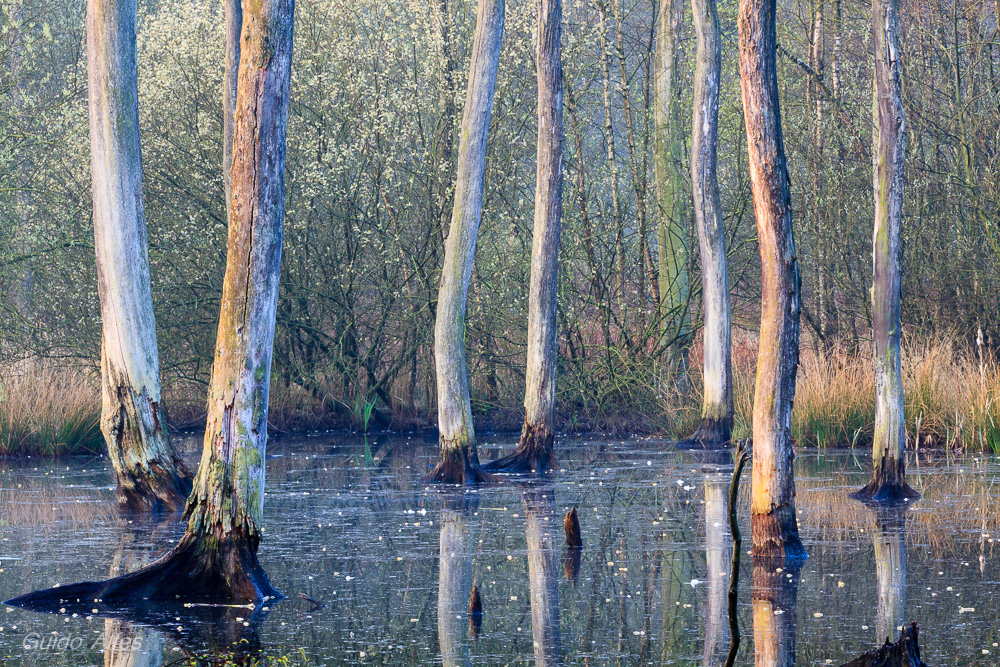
{"points": [[48, 409]]}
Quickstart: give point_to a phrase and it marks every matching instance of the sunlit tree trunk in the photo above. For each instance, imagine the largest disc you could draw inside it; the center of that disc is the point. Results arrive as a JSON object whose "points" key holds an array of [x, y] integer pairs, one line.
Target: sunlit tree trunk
{"points": [[216, 559], [673, 233], [457, 539], [717, 396], [150, 474], [775, 594], [234, 24], [534, 451], [773, 522], [541, 533], [889, 148], [459, 461]]}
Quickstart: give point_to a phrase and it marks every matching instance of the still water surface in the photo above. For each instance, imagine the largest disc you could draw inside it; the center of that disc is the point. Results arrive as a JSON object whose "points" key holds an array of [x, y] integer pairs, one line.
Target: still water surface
{"points": [[394, 562]]}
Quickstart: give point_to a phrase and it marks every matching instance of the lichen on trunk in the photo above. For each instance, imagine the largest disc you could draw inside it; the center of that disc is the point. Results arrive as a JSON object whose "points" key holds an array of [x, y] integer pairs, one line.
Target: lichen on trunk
{"points": [[458, 460], [151, 476]]}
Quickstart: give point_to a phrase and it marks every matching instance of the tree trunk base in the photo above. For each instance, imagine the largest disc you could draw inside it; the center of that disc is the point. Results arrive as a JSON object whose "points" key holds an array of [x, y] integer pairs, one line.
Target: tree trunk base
{"points": [[534, 454], [160, 491], [904, 653], [711, 434], [776, 535], [459, 466], [887, 486], [203, 568]]}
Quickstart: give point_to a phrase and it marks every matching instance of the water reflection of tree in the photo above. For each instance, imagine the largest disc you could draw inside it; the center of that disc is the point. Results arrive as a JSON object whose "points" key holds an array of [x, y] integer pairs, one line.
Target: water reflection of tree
{"points": [[775, 592], [541, 532], [890, 567], [458, 524], [126, 644], [718, 548]]}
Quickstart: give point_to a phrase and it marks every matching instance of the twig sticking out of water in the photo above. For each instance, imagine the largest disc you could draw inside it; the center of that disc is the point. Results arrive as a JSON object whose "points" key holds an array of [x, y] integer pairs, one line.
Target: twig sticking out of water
{"points": [[475, 612], [742, 456]]}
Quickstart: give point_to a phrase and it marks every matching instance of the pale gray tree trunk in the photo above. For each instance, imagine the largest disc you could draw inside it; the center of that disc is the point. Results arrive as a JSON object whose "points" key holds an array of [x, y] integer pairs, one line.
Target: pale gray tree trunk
{"points": [[535, 450], [673, 231], [889, 149], [541, 533], [718, 549], [458, 460], [216, 559], [773, 522], [150, 474], [717, 396]]}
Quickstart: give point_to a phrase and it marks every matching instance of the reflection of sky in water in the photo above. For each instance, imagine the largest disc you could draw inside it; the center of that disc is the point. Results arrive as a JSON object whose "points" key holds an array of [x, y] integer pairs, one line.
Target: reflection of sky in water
{"points": [[370, 543]]}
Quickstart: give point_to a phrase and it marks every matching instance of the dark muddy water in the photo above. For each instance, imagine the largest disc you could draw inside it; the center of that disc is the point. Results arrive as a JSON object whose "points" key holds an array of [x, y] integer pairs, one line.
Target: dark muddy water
{"points": [[394, 562]]}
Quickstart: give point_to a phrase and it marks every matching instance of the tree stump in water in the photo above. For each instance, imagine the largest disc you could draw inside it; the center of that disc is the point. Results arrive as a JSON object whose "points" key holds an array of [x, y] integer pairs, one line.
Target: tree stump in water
{"points": [[572, 525], [904, 653]]}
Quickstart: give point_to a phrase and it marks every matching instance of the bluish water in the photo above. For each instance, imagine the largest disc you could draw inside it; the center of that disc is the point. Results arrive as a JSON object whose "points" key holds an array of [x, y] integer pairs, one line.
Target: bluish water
{"points": [[393, 561]]}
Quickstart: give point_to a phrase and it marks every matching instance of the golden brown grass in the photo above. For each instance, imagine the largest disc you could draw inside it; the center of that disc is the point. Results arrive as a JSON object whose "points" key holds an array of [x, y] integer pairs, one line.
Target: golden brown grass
{"points": [[48, 409]]}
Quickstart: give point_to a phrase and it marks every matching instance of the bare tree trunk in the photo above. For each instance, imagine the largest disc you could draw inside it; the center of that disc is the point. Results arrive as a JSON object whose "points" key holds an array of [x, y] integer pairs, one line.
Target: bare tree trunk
{"points": [[234, 25], [717, 398], [534, 451], [773, 522], [889, 148], [673, 232], [151, 476], [459, 462], [216, 559]]}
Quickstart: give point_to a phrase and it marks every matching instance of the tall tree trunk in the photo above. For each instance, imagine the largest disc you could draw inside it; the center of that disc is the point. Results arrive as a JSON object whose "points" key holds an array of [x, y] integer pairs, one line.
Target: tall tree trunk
{"points": [[541, 536], [717, 397], [234, 24], [459, 462], [216, 559], [673, 232], [889, 148], [773, 523], [534, 451], [151, 476], [775, 594]]}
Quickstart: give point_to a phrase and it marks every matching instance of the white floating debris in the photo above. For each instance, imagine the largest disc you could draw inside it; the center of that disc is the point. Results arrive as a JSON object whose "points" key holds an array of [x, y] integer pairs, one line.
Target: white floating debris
{"points": [[818, 614]]}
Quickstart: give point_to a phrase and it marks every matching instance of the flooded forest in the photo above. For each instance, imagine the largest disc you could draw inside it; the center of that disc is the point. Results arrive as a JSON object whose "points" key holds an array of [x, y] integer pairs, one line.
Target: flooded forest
{"points": [[499, 332]]}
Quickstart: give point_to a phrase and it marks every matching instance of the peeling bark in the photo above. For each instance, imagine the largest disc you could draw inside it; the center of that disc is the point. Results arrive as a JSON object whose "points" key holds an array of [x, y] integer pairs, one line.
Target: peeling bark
{"points": [[459, 462], [772, 507], [151, 476]]}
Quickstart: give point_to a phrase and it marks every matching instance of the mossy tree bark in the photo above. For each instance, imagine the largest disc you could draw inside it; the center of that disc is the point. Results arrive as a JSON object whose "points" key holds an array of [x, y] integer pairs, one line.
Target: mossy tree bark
{"points": [[216, 559], [773, 522], [459, 462], [673, 231], [151, 476], [889, 149], [717, 397], [535, 449]]}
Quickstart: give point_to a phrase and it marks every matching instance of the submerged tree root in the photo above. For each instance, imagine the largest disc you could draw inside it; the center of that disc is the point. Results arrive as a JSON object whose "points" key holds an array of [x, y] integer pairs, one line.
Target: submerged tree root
{"points": [[904, 653], [534, 454], [458, 466], [202, 568], [711, 434], [888, 485]]}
